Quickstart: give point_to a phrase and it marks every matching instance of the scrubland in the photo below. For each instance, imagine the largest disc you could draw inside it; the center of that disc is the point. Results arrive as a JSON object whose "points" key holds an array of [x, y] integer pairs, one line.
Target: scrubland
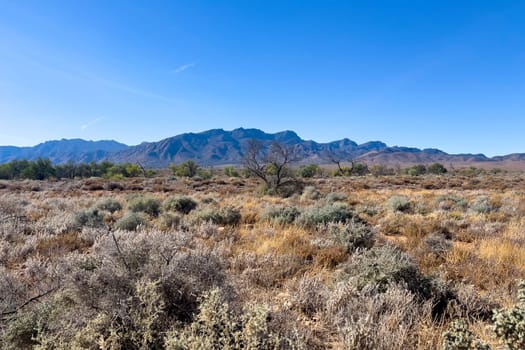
{"points": [[388, 262]]}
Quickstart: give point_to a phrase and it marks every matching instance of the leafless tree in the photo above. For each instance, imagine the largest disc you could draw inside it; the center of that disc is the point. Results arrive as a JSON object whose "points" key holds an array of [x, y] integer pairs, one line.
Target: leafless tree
{"points": [[337, 160], [272, 166]]}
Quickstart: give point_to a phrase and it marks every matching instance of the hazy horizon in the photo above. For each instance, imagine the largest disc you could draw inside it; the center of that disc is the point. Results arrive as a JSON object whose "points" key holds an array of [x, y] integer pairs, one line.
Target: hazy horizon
{"points": [[425, 74]]}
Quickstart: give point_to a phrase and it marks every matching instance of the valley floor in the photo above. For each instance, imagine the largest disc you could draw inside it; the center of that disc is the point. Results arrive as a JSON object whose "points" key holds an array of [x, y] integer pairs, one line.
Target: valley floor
{"points": [[350, 263]]}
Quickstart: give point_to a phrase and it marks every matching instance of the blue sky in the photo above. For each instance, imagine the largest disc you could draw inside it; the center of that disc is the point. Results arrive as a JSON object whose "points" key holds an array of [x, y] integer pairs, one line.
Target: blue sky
{"points": [[424, 73]]}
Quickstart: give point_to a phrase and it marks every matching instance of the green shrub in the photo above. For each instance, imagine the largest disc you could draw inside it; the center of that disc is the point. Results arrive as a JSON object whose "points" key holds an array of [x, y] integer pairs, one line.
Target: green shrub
{"points": [[459, 337], [223, 216], [309, 170], [89, 218], [281, 215], [436, 168], [231, 171], [416, 170], [182, 204], [148, 205], [314, 216], [205, 174], [399, 203], [187, 169], [131, 221], [509, 325], [109, 204]]}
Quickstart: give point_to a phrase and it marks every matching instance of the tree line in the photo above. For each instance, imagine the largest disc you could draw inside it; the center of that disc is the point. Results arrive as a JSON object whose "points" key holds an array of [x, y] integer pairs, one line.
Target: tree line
{"points": [[42, 169]]}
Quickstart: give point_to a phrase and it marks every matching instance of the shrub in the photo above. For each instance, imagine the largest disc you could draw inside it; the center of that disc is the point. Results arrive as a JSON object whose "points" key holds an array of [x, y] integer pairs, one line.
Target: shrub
{"points": [[187, 169], [109, 204], [368, 319], [333, 197], [281, 215], [352, 235], [224, 216], [459, 337], [231, 171], [131, 221], [416, 170], [310, 193], [182, 204], [148, 205], [436, 168], [217, 327], [311, 296], [482, 205], [399, 203], [89, 218], [381, 170], [382, 266], [309, 170], [205, 174], [509, 325], [314, 216], [169, 221], [437, 244]]}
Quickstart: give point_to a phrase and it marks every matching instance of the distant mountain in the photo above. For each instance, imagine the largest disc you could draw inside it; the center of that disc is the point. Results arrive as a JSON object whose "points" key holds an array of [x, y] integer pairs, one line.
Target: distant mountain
{"points": [[220, 147], [63, 151]]}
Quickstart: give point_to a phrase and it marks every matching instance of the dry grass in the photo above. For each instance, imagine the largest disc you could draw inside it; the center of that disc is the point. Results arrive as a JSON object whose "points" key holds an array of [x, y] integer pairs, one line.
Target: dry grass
{"points": [[462, 230]]}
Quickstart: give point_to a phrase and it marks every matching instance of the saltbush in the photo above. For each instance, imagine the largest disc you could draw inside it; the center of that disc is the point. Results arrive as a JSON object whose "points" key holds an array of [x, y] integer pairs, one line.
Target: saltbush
{"points": [[482, 205], [509, 325], [148, 205], [314, 216], [459, 337], [280, 215], [182, 204], [398, 203], [352, 235], [223, 216], [89, 218], [131, 221], [310, 193], [333, 197], [109, 204]]}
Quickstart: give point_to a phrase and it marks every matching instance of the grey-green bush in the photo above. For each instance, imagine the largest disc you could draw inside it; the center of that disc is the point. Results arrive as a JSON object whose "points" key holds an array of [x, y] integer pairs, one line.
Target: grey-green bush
{"points": [[148, 205], [109, 204], [459, 337], [281, 215], [333, 197], [89, 218], [398, 204], [313, 216], [482, 205], [182, 204], [509, 325], [352, 235], [131, 221], [223, 216]]}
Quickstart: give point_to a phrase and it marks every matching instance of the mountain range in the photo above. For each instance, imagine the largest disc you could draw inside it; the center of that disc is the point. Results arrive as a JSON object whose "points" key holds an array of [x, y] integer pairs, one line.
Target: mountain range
{"points": [[219, 147]]}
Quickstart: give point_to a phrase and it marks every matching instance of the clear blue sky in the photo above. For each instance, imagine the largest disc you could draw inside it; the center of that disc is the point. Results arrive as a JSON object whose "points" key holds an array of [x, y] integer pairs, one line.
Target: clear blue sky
{"points": [[424, 73]]}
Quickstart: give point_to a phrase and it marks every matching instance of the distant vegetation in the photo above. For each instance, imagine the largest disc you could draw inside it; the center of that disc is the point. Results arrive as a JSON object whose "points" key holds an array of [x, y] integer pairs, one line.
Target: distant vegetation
{"points": [[42, 169]]}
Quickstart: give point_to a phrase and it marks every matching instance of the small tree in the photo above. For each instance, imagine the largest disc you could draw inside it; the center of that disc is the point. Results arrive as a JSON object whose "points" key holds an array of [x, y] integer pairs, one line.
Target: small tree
{"points": [[436, 168], [188, 168], [272, 166], [309, 170]]}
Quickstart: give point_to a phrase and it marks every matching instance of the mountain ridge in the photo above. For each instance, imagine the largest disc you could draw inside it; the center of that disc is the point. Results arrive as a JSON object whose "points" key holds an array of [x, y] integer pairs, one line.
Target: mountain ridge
{"points": [[216, 147]]}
